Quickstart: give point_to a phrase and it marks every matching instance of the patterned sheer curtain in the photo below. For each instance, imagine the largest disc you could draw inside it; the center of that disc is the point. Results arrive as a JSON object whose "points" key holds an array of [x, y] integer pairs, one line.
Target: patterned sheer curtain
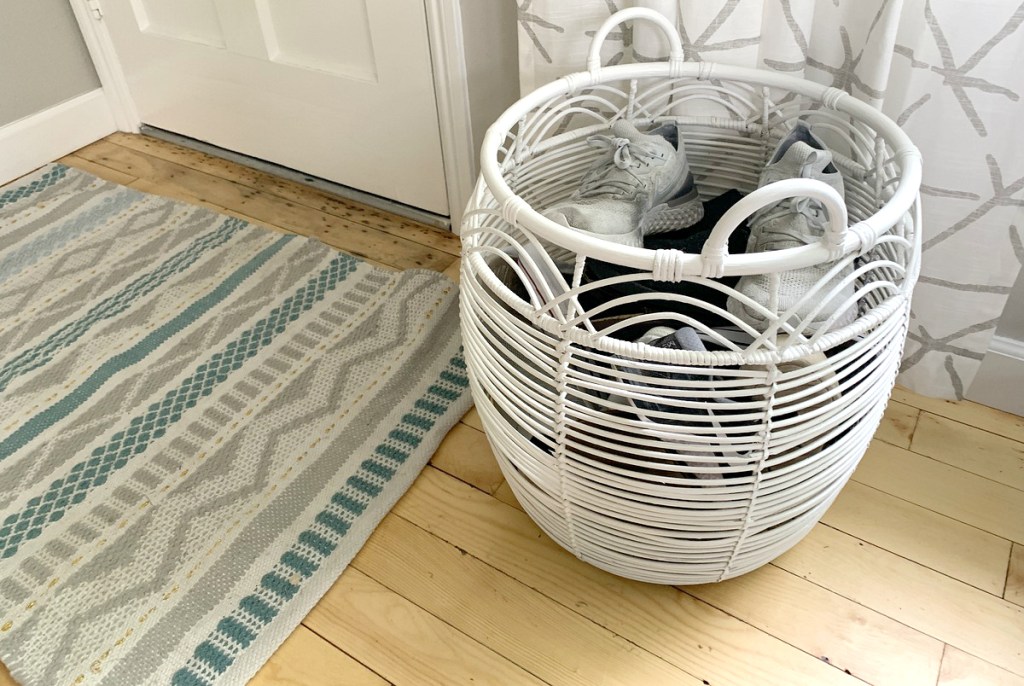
{"points": [[951, 72]]}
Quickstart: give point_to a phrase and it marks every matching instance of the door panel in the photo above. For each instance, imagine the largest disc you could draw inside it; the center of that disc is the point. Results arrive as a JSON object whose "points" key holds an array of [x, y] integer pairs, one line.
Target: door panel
{"points": [[335, 40], [190, 20], [340, 89]]}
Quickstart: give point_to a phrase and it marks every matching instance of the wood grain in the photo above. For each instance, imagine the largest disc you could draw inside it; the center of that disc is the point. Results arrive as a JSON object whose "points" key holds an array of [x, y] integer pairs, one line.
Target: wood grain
{"points": [[898, 424], [1015, 576], [402, 642], [105, 173], [955, 493], [973, 450], [866, 644], [973, 414], [505, 495], [453, 271], [963, 552], [306, 659], [290, 191], [685, 631], [545, 638], [963, 669], [466, 455], [933, 603], [472, 418], [352, 237], [176, 192]]}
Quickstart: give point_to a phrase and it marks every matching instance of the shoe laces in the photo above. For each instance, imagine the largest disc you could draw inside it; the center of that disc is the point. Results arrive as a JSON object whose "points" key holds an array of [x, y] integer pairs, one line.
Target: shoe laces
{"points": [[784, 234], [626, 156]]}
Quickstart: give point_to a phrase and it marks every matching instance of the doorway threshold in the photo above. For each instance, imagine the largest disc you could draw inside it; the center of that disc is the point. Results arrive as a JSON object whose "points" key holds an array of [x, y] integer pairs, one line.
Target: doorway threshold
{"points": [[347, 192]]}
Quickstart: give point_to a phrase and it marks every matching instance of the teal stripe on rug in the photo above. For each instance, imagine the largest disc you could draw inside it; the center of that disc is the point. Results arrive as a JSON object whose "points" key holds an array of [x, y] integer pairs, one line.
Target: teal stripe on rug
{"points": [[159, 416], [137, 352], [42, 353], [55, 174], [314, 544], [53, 240]]}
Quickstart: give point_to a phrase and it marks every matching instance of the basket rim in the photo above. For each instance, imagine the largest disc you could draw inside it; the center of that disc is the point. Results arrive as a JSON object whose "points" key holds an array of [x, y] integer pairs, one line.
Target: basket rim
{"points": [[669, 264]]}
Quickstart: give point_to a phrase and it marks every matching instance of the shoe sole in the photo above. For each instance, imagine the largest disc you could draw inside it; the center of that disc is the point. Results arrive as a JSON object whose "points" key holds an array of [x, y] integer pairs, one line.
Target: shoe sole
{"points": [[678, 213]]}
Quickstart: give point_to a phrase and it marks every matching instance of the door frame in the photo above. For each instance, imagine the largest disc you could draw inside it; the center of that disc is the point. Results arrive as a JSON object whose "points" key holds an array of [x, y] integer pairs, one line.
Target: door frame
{"points": [[448, 63]]}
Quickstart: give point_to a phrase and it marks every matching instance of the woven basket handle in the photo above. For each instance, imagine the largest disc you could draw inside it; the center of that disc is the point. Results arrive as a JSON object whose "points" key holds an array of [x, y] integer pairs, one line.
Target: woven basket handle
{"points": [[716, 247], [622, 16]]}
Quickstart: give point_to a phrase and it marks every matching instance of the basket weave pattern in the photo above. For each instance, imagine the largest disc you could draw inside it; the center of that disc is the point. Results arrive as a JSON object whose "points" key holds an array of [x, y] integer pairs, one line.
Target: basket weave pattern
{"points": [[675, 466]]}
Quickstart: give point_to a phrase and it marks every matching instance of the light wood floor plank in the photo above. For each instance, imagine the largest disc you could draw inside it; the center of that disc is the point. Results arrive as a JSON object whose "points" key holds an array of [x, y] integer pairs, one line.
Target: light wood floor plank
{"points": [[973, 414], [898, 424], [962, 669], [979, 452], [505, 495], [305, 659], [351, 237], [174, 192], [402, 642], [933, 603], [453, 271], [5, 677], [685, 631], [472, 418], [963, 496], [916, 533], [866, 644], [542, 636], [1015, 576], [291, 191], [466, 455], [105, 173]]}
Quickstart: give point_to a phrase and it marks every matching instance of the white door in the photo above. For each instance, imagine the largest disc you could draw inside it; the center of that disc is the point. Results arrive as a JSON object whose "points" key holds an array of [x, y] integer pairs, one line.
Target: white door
{"points": [[340, 89]]}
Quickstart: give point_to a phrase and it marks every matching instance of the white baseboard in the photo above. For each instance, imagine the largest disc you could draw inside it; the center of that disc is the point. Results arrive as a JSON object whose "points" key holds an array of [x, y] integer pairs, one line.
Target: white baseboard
{"points": [[1008, 347], [999, 382], [43, 137]]}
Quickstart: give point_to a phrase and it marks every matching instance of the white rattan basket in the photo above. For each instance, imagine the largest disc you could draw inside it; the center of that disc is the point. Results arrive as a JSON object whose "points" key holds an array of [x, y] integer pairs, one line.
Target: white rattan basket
{"points": [[675, 466]]}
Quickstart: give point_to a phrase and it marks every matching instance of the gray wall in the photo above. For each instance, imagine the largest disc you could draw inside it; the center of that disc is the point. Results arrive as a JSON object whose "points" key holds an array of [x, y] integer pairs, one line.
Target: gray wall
{"points": [[43, 60], [489, 29]]}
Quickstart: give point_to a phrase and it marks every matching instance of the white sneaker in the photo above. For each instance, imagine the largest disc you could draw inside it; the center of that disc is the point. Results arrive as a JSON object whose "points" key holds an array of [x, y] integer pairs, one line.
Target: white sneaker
{"points": [[791, 223], [641, 185]]}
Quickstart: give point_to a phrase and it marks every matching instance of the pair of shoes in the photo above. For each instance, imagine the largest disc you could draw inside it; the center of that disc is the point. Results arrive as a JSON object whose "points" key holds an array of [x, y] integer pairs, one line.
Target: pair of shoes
{"points": [[792, 223], [641, 185], [617, 297]]}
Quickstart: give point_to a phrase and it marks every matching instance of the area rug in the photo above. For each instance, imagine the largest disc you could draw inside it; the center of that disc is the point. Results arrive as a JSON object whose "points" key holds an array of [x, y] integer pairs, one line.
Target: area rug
{"points": [[201, 422]]}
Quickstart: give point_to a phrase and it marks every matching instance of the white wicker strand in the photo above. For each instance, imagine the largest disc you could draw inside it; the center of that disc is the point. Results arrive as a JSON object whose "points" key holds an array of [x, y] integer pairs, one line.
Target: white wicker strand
{"points": [[676, 466]]}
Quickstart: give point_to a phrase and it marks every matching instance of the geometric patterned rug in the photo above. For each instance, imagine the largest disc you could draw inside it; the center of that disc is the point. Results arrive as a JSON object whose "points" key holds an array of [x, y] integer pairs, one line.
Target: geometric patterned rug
{"points": [[201, 422]]}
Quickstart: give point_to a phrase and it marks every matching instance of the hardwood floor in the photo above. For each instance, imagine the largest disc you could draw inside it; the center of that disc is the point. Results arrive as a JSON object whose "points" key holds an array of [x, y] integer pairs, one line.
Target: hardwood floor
{"points": [[915, 575]]}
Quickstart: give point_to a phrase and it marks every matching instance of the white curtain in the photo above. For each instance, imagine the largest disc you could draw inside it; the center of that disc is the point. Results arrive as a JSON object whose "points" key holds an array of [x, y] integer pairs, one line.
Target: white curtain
{"points": [[951, 72]]}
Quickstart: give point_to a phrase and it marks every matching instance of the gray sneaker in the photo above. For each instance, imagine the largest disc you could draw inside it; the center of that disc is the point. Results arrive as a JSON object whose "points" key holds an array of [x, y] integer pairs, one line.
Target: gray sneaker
{"points": [[641, 185], [735, 462], [791, 223]]}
